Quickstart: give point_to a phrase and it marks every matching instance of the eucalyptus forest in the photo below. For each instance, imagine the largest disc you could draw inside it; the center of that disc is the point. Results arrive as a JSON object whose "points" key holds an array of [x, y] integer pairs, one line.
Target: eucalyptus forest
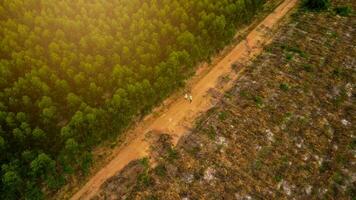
{"points": [[76, 73]]}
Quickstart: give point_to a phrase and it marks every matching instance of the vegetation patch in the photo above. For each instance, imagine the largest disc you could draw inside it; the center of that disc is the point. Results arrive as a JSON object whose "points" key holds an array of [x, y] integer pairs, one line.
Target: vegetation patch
{"points": [[316, 5], [343, 10]]}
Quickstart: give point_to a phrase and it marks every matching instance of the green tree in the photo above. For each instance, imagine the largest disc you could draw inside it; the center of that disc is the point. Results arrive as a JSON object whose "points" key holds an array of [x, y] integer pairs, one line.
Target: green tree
{"points": [[12, 183], [42, 166], [38, 134]]}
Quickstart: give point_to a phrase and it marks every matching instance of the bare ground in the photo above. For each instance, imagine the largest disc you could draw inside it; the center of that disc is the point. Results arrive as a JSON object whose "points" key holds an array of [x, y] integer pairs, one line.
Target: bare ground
{"points": [[285, 130]]}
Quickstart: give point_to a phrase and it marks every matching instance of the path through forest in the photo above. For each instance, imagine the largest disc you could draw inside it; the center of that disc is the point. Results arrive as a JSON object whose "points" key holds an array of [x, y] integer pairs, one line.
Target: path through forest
{"points": [[177, 119]]}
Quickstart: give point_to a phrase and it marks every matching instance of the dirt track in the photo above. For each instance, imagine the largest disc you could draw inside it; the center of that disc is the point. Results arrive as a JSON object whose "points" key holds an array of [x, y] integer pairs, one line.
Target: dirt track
{"points": [[180, 115]]}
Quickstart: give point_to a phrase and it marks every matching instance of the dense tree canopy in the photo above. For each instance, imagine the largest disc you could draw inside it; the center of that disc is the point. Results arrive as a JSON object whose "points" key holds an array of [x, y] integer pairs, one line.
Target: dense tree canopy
{"points": [[73, 73]]}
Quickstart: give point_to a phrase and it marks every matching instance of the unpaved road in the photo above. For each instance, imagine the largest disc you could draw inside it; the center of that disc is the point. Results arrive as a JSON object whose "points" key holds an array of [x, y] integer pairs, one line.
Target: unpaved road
{"points": [[179, 116]]}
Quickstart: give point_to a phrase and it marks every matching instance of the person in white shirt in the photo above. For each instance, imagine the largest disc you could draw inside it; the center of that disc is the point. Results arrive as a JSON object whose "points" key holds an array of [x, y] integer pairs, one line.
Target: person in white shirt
{"points": [[190, 98]]}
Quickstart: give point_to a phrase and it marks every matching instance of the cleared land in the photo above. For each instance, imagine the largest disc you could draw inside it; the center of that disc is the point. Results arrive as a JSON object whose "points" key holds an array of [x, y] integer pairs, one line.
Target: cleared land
{"points": [[285, 130], [179, 116]]}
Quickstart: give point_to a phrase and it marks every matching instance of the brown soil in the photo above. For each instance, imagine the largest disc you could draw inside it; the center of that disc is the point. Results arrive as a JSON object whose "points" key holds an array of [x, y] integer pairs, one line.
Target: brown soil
{"points": [[178, 118]]}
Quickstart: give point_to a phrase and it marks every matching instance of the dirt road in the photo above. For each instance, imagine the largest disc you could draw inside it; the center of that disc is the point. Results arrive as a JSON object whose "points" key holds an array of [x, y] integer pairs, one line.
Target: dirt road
{"points": [[179, 116]]}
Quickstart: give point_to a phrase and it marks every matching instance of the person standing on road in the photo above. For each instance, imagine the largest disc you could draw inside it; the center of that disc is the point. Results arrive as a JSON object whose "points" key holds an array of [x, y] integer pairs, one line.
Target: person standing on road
{"points": [[190, 98]]}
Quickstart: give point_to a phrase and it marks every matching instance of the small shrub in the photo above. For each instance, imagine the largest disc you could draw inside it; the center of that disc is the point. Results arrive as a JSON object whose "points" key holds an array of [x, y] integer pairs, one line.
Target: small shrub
{"points": [[316, 5], [284, 162], [145, 162], [144, 179], [337, 178], [161, 170], [228, 95], [293, 49], [257, 165], [284, 87], [352, 144], [351, 191], [211, 133], [278, 177], [308, 68], [172, 154], [289, 56], [244, 94], [223, 115], [339, 99], [338, 72], [342, 159], [234, 66], [264, 152], [194, 150], [258, 100], [151, 197], [113, 145], [269, 49], [343, 10], [325, 166]]}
